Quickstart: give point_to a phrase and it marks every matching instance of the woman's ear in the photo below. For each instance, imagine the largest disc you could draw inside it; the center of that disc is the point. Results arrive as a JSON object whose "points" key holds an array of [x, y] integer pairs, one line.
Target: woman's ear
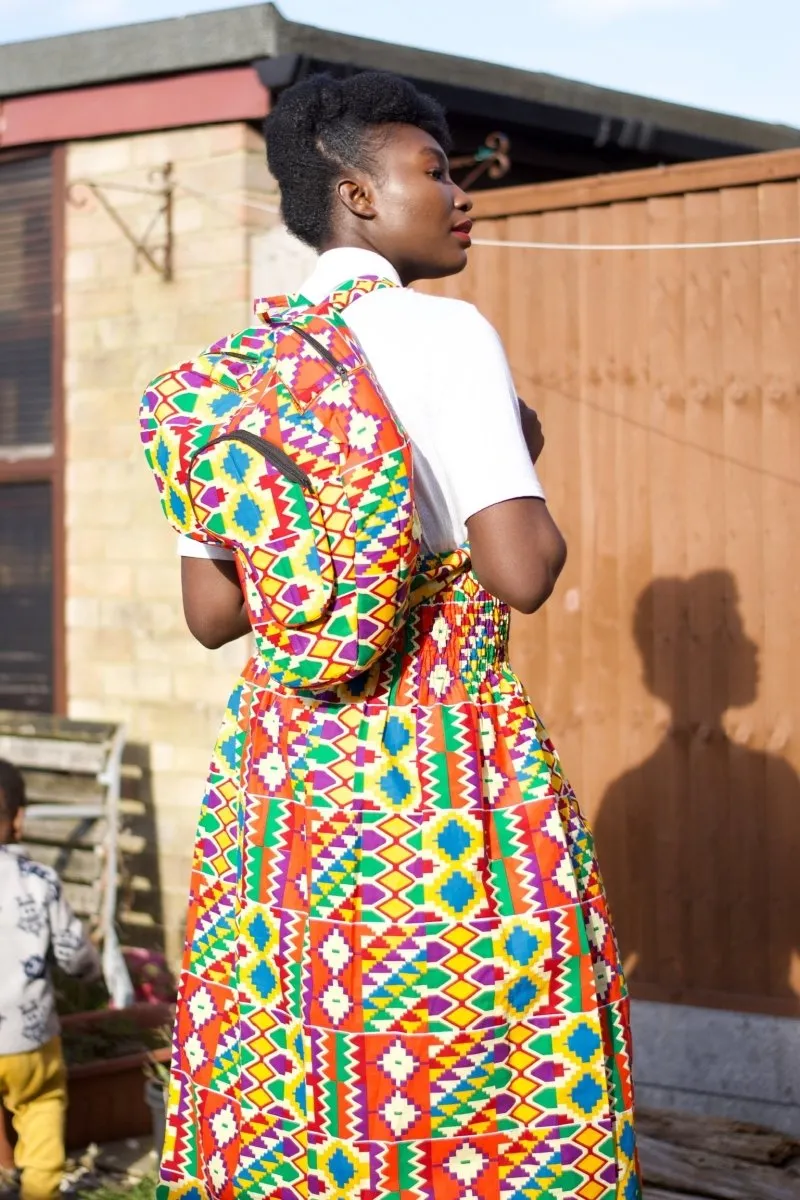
{"points": [[357, 197]]}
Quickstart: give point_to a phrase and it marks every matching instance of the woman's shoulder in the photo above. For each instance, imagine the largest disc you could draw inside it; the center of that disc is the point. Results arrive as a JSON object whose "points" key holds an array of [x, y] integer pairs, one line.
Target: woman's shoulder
{"points": [[437, 315]]}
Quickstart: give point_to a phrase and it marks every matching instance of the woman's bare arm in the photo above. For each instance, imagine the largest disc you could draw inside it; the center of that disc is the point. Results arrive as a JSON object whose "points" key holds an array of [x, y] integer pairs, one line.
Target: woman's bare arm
{"points": [[517, 550], [517, 553], [213, 603]]}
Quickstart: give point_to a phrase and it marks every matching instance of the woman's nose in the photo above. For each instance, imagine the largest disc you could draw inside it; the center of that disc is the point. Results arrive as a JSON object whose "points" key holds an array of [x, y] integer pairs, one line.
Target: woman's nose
{"points": [[461, 200]]}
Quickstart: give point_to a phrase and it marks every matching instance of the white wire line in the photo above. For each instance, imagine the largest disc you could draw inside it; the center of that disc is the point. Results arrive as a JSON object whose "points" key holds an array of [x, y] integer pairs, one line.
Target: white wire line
{"points": [[225, 204], [269, 208], [591, 247]]}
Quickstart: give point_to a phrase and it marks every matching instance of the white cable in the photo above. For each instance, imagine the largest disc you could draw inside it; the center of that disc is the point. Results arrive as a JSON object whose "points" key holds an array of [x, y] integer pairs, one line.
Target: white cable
{"points": [[224, 203], [618, 246], [270, 208]]}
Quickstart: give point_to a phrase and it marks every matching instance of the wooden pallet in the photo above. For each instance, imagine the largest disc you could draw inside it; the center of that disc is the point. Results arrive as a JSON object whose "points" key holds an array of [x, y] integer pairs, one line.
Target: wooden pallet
{"points": [[690, 1157], [72, 775]]}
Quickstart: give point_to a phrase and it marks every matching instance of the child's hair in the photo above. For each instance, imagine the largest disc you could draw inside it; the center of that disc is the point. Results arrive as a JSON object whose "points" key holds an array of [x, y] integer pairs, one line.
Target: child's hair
{"points": [[323, 125], [12, 792]]}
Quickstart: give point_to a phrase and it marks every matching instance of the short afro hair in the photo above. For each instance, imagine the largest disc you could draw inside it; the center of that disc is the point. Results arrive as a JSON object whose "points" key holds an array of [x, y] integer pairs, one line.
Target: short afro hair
{"points": [[12, 792], [322, 125]]}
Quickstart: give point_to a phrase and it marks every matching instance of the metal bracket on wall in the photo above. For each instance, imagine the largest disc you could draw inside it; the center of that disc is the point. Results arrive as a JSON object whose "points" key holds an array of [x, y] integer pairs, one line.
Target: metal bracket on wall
{"points": [[158, 255], [492, 158]]}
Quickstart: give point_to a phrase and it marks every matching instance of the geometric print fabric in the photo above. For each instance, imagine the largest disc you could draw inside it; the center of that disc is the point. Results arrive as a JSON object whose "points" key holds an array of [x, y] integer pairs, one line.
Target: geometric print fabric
{"points": [[278, 444], [401, 980]]}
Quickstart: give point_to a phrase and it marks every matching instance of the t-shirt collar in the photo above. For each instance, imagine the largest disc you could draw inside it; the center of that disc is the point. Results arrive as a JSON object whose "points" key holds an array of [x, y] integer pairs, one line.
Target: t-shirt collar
{"points": [[339, 266]]}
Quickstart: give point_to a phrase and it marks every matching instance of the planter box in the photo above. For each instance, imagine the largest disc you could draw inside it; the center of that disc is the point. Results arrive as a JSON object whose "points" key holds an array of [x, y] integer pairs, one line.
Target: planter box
{"points": [[106, 1096], [156, 1100]]}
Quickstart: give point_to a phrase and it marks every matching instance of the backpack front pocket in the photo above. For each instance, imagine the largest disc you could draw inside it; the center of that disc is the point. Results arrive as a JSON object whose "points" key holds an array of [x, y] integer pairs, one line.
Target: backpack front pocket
{"points": [[250, 495]]}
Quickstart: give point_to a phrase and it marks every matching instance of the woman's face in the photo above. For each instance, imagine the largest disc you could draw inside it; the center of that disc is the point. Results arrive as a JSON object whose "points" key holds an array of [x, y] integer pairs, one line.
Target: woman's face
{"points": [[410, 210]]}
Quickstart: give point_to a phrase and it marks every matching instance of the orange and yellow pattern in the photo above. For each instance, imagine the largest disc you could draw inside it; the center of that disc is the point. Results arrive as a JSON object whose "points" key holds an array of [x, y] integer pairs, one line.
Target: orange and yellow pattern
{"points": [[401, 980]]}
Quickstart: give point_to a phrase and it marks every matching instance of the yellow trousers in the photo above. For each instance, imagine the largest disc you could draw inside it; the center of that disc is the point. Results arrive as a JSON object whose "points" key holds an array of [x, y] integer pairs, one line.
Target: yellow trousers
{"points": [[33, 1087]]}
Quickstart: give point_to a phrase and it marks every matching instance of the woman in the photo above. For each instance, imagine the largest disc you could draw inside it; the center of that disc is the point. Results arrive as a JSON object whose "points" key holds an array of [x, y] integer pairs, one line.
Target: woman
{"points": [[401, 982]]}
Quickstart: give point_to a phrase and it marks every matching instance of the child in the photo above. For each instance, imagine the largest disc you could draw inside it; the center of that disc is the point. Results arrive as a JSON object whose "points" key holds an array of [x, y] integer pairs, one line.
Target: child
{"points": [[36, 923]]}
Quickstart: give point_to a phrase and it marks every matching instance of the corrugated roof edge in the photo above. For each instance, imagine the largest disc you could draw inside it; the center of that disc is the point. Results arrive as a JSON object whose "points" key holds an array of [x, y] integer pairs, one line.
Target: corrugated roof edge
{"points": [[240, 35]]}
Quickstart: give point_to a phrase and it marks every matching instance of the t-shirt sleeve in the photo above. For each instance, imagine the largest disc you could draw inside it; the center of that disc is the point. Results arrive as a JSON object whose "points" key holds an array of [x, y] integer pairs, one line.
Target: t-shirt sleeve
{"points": [[190, 548], [72, 950], [480, 437]]}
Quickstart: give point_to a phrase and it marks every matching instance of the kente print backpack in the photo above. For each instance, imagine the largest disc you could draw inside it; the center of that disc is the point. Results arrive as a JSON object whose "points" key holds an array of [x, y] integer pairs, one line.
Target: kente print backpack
{"points": [[278, 444]]}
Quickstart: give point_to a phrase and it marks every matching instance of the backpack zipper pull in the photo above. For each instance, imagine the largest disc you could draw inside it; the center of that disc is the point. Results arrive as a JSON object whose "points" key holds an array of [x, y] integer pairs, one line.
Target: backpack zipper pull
{"points": [[322, 351]]}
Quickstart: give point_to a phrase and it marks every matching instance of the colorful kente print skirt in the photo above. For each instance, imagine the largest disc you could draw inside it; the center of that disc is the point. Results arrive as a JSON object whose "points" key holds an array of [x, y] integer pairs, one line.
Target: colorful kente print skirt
{"points": [[401, 980]]}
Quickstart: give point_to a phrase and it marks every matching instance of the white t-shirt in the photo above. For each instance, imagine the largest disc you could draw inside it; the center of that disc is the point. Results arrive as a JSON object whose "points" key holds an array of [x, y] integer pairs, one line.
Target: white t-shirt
{"points": [[445, 374]]}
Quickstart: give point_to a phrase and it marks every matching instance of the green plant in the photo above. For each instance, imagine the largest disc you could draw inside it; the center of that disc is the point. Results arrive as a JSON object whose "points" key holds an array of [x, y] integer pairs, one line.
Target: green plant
{"points": [[142, 1189], [114, 1037], [153, 1068], [78, 996]]}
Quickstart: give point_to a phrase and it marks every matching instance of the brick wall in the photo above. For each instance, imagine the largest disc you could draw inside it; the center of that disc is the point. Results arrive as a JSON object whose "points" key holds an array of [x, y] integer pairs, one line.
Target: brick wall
{"points": [[129, 655]]}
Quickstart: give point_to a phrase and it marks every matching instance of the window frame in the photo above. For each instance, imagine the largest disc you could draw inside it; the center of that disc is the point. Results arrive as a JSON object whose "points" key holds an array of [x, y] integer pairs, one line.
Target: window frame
{"points": [[19, 464]]}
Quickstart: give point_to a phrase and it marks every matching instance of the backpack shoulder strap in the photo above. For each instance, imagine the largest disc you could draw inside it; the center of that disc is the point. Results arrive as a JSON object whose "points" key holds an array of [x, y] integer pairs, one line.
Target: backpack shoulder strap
{"points": [[354, 289], [284, 308], [289, 308]]}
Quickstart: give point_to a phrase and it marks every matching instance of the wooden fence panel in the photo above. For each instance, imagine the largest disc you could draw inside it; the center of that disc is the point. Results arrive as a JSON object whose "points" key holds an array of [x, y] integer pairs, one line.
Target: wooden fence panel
{"points": [[667, 666]]}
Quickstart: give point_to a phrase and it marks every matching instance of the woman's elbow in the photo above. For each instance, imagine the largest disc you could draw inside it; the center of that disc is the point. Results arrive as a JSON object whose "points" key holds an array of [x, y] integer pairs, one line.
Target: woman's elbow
{"points": [[208, 636], [527, 590], [551, 568], [215, 628], [530, 599], [518, 552], [213, 604], [535, 592]]}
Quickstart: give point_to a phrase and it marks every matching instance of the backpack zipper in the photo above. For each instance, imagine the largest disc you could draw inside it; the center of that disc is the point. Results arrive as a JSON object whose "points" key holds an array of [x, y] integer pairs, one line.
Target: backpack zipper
{"points": [[268, 450], [323, 351], [339, 367]]}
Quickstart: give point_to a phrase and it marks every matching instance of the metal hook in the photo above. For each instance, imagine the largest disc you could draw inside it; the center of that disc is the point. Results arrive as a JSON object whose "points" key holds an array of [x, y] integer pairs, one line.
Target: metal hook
{"points": [[163, 177], [492, 158]]}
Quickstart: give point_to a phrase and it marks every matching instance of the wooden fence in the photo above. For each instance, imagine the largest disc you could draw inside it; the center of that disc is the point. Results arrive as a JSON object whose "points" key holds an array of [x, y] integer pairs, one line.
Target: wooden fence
{"points": [[667, 664]]}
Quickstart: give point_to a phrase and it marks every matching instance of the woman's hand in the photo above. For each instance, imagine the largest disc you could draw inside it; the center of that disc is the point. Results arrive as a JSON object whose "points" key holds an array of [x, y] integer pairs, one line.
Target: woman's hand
{"points": [[531, 430]]}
